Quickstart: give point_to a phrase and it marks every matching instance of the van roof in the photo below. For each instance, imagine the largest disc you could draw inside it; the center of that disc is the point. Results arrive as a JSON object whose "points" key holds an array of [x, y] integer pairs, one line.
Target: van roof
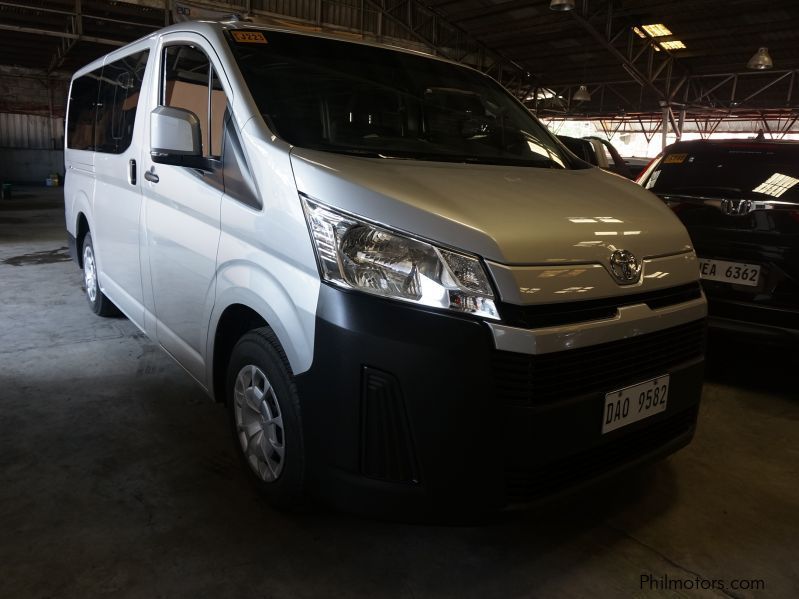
{"points": [[212, 29]]}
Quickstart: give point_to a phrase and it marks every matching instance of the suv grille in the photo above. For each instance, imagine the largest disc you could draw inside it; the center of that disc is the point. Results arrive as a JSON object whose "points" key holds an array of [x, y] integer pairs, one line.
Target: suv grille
{"points": [[523, 379], [550, 315]]}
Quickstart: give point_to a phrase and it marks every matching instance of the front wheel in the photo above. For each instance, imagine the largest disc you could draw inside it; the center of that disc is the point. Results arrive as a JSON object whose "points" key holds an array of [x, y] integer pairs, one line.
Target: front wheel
{"points": [[98, 302], [264, 413]]}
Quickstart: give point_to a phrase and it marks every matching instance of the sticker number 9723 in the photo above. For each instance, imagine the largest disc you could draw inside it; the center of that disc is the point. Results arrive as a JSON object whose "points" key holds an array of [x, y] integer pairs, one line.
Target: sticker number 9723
{"points": [[248, 37]]}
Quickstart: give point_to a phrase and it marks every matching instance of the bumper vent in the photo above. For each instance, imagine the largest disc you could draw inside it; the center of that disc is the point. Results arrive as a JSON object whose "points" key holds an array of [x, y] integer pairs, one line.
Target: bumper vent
{"points": [[386, 445], [529, 380], [550, 315], [600, 460]]}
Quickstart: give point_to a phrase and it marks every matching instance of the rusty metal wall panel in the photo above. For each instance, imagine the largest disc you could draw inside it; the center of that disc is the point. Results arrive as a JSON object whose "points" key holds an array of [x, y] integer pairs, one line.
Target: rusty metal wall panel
{"points": [[27, 131]]}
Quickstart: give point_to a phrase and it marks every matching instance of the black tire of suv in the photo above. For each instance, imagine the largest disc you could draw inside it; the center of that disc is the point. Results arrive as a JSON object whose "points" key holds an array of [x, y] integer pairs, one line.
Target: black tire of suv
{"points": [[101, 305], [261, 348]]}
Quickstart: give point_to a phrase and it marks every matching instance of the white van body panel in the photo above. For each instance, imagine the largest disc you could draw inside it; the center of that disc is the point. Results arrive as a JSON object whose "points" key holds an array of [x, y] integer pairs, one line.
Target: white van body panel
{"points": [[265, 259], [161, 250], [78, 196], [182, 225], [118, 206]]}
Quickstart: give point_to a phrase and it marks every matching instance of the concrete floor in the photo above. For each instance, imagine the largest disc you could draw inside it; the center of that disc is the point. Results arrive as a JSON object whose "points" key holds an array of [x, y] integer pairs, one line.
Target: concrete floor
{"points": [[117, 477]]}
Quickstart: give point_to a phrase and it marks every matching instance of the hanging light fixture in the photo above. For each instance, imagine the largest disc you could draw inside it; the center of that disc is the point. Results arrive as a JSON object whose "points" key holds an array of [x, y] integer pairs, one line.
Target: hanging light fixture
{"points": [[582, 95], [760, 61], [561, 5]]}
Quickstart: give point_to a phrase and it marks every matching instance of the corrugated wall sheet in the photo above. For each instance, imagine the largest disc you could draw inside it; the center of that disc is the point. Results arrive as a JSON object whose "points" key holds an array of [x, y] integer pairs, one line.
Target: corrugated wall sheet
{"points": [[27, 131]]}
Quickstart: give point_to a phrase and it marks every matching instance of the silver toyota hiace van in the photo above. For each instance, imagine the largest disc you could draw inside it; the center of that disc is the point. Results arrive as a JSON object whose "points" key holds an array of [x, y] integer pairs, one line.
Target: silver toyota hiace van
{"points": [[409, 294]]}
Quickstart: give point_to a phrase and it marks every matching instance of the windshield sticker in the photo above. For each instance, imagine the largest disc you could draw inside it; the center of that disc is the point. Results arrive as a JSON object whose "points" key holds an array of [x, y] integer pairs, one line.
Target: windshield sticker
{"points": [[249, 37], [776, 185], [652, 180], [675, 158]]}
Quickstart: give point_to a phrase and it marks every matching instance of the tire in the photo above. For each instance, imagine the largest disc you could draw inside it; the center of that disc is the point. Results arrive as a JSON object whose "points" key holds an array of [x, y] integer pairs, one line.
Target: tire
{"points": [[99, 303], [264, 413]]}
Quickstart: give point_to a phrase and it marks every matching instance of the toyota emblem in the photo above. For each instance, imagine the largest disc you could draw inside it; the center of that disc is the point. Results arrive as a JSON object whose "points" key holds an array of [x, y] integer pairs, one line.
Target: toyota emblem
{"points": [[625, 266]]}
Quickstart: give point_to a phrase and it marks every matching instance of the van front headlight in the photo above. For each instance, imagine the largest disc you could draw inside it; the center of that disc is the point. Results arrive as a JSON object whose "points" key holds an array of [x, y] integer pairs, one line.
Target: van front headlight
{"points": [[359, 255]]}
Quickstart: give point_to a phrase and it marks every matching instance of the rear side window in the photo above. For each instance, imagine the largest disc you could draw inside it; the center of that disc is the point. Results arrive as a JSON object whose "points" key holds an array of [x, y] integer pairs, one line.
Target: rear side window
{"points": [[82, 106], [102, 105], [736, 169], [118, 99]]}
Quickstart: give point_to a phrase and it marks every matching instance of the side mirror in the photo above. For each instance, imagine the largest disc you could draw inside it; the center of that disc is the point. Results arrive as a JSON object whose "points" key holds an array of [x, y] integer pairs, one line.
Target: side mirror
{"points": [[175, 138]]}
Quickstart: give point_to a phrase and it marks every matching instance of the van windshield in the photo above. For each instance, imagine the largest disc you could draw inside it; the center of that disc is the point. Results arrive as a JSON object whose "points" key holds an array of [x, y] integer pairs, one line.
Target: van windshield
{"points": [[355, 99]]}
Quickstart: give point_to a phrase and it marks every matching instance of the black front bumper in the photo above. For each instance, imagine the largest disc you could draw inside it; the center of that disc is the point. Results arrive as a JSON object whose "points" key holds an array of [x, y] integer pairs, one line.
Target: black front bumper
{"points": [[408, 411]]}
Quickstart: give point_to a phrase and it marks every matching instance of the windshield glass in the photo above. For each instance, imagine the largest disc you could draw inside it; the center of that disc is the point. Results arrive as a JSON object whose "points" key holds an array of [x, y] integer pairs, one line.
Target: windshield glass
{"points": [[737, 170], [356, 99]]}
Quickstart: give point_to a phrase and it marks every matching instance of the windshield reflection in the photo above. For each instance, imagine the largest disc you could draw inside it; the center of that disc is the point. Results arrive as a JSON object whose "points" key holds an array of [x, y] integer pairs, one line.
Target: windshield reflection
{"points": [[376, 102]]}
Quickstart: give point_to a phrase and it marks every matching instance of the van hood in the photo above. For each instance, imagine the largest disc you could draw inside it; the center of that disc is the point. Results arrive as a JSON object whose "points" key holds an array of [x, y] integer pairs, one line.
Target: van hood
{"points": [[507, 214]]}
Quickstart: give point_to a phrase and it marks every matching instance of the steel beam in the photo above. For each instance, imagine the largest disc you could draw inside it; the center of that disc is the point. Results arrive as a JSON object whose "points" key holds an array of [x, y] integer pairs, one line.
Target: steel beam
{"points": [[61, 34]]}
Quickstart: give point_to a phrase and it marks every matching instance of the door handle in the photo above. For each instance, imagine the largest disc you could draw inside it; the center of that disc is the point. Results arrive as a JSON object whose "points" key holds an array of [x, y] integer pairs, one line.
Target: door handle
{"points": [[132, 171], [151, 177]]}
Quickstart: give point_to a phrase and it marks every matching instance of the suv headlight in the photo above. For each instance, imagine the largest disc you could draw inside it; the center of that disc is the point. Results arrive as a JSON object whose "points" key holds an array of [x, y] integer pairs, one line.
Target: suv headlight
{"points": [[359, 255]]}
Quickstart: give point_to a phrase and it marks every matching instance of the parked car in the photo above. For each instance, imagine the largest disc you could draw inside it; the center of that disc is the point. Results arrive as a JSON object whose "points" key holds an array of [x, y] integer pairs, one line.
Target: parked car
{"points": [[599, 152], [740, 203], [636, 165], [410, 296]]}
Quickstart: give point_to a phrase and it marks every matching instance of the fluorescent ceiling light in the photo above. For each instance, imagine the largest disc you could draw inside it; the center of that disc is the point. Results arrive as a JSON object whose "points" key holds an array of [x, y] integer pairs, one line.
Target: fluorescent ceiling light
{"points": [[655, 30], [673, 45]]}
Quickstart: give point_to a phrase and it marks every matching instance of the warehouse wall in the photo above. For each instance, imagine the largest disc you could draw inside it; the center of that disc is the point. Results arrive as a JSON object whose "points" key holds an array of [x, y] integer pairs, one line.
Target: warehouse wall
{"points": [[30, 166], [30, 148], [31, 125]]}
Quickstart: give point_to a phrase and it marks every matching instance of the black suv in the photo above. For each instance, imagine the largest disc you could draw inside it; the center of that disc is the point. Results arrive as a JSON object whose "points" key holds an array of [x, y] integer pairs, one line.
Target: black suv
{"points": [[739, 200]]}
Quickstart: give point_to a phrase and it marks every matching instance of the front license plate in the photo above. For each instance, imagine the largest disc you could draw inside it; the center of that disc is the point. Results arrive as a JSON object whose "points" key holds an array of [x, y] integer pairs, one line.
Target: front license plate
{"points": [[635, 403], [729, 272]]}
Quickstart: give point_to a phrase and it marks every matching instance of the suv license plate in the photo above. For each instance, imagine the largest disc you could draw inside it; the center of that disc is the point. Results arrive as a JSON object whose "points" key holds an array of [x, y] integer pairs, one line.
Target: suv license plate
{"points": [[635, 403], [729, 272]]}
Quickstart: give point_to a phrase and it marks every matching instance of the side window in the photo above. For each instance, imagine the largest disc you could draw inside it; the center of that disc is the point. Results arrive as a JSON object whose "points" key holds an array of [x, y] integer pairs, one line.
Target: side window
{"points": [[219, 111], [239, 183], [82, 108], [118, 99], [189, 82]]}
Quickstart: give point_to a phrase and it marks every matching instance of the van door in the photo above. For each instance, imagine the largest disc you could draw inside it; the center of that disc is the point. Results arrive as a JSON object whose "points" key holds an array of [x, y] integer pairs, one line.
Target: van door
{"points": [[183, 207], [117, 204]]}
